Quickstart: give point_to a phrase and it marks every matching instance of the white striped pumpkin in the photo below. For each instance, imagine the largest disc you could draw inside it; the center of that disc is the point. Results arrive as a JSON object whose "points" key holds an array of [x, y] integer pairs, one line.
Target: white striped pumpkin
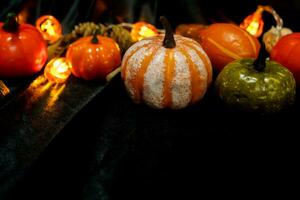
{"points": [[166, 77]]}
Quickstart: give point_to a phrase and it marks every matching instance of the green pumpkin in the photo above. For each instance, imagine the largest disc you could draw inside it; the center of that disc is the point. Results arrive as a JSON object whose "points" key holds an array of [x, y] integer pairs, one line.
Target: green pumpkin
{"points": [[266, 90]]}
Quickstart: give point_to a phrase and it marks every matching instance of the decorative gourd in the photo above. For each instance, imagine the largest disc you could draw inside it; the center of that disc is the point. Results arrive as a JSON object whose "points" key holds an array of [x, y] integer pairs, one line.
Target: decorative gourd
{"points": [[23, 50], [271, 37], [166, 70], [224, 43], [93, 57], [260, 85], [287, 52]]}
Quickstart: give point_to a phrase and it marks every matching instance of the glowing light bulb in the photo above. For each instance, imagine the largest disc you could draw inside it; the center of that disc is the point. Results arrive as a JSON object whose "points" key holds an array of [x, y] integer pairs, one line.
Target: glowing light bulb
{"points": [[4, 90], [254, 23], [49, 27], [58, 70], [141, 30]]}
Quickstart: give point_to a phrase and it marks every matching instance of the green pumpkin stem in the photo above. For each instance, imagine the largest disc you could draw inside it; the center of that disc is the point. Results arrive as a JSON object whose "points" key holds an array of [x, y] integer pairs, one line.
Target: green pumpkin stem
{"points": [[11, 24], [169, 41], [260, 62], [95, 38]]}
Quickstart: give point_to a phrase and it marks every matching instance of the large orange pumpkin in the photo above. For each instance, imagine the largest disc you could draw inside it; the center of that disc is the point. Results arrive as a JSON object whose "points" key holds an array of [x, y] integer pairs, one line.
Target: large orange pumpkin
{"points": [[166, 71], [225, 42]]}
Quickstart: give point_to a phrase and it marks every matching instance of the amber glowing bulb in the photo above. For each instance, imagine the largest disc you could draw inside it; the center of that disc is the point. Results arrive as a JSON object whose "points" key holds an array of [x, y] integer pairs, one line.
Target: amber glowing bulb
{"points": [[58, 70], [4, 90], [141, 30], [254, 23], [49, 27]]}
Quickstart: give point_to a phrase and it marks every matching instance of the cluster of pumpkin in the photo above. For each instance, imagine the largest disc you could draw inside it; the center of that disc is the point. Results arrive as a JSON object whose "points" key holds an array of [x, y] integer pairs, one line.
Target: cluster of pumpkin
{"points": [[175, 71], [24, 52], [170, 71], [246, 79]]}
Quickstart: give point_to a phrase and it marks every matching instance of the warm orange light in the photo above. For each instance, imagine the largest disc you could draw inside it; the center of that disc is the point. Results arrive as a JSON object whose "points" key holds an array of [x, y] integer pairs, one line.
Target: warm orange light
{"points": [[42, 88], [141, 30], [55, 93], [4, 90], [50, 28], [58, 70], [254, 24]]}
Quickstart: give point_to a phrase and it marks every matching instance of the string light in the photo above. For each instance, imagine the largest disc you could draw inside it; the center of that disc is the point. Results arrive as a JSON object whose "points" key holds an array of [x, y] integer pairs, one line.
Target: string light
{"points": [[141, 30], [49, 27], [58, 70], [254, 23]]}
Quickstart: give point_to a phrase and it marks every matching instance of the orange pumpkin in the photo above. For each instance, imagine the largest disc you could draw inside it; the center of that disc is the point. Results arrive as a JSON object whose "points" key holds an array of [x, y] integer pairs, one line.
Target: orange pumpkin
{"points": [[225, 42], [93, 57], [23, 51], [166, 71]]}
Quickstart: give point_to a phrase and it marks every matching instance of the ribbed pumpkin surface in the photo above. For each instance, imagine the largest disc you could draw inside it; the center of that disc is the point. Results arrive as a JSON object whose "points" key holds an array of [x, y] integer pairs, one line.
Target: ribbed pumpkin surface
{"points": [[166, 77]]}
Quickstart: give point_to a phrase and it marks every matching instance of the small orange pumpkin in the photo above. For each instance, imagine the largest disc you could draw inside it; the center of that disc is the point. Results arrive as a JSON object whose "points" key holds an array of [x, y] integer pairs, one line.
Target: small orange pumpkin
{"points": [[166, 71], [93, 57], [225, 42]]}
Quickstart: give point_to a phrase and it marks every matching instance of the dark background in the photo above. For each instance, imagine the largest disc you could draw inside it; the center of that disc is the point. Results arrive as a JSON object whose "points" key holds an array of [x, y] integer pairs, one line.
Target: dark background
{"points": [[71, 12], [114, 149]]}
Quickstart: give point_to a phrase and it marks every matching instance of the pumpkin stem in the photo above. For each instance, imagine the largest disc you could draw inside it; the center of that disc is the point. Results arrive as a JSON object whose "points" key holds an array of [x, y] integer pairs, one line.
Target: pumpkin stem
{"points": [[260, 62], [95, 38], [11, 24], [169, 41]]}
